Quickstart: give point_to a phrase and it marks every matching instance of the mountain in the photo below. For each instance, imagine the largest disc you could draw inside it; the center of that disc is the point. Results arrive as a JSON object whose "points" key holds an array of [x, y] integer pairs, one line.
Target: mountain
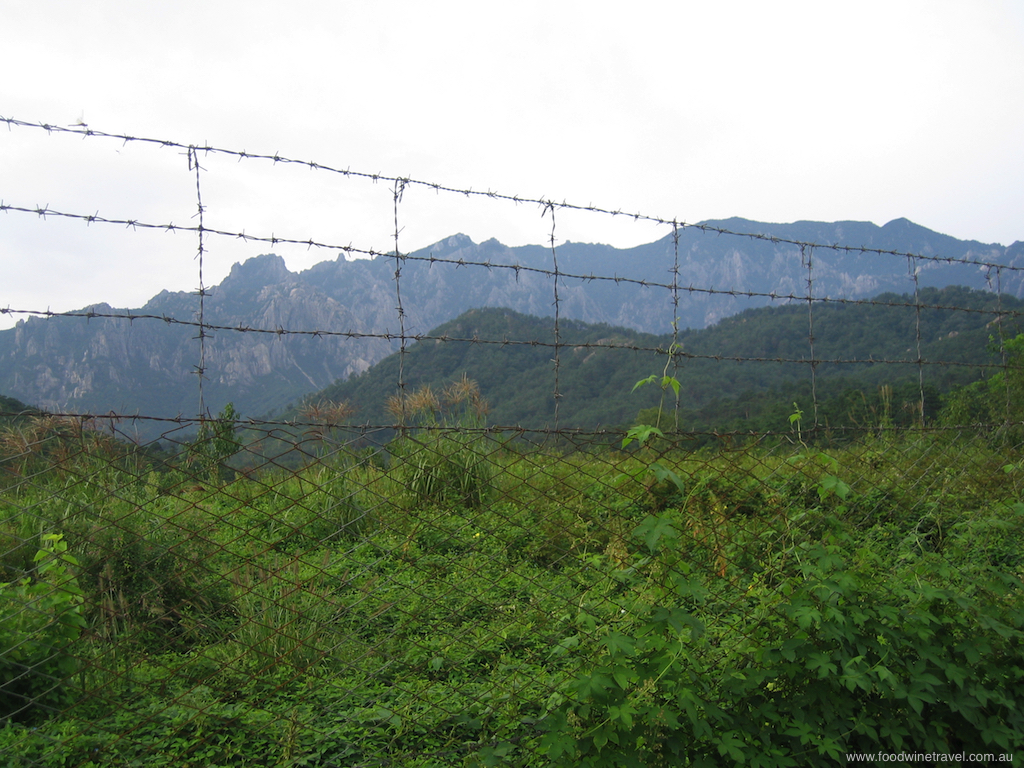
{"points": [[148, 365], [730, 373], [722, 269]]}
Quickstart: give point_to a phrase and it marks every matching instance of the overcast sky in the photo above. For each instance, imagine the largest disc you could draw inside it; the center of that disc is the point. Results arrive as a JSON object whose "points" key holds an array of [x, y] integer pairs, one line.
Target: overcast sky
{"points": [[772, 111]]}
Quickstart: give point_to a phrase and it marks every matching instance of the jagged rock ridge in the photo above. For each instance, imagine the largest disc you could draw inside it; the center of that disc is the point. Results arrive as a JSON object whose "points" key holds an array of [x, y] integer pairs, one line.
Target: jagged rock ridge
{"points": [[148, 366]]}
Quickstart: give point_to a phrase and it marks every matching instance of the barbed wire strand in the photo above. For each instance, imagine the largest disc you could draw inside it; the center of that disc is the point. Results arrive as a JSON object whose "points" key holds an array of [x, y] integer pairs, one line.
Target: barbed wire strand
{"points": [[675, 317], [399, 185], [807, 258], [111, 422], [912, 266], [397, 191], [468, 192], [550, 208], [505, 341], [348, 249], [193, 161]]}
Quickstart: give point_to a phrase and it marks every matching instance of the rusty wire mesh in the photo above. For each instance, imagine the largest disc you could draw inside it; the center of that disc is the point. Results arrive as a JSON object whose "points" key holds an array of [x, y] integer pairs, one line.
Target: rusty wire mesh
{"points": [[429, 588]]}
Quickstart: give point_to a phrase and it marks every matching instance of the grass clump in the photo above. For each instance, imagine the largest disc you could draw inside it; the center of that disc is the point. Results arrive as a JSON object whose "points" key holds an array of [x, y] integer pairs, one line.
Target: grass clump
{"points": [[443, 453]]}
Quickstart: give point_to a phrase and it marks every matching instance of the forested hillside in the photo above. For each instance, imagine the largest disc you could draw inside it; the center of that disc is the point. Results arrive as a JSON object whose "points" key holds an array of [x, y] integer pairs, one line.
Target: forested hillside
{"points": [[742, 373], [11, 410]]}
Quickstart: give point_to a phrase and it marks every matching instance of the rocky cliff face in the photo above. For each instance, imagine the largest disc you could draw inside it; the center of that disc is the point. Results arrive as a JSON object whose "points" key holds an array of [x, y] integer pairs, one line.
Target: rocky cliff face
{"points": [[150, 366]]}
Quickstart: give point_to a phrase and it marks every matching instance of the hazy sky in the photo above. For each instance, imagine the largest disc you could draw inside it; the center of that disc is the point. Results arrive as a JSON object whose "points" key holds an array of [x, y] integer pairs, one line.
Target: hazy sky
{"points": [[774, 111]]}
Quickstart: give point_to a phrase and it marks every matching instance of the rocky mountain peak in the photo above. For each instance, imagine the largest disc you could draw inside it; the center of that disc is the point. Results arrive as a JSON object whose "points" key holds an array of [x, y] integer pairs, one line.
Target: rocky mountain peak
{"points": [[450, 244], [257, 272]]}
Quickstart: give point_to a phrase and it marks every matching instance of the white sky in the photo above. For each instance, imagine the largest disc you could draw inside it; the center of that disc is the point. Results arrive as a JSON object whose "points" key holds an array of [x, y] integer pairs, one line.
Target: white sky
{"points": [[773, 111]]}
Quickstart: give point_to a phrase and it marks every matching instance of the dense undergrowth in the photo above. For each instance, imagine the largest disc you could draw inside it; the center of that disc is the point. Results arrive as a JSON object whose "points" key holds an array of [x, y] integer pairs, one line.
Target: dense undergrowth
{"points": [[466, 600]]}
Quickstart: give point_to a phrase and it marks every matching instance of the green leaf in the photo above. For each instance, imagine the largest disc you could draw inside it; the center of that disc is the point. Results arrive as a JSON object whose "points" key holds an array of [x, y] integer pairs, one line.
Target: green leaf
{"points": [[662, 474], [832, 484], [623, 714], [796, 415], [821, 662], [618, 644], [623, 676], [593, 685], [641, 433], [652, 529], [790, 647], [563, 646], [649, 380], [970, 651], [678, 620], [957, 675], [730, 744]]}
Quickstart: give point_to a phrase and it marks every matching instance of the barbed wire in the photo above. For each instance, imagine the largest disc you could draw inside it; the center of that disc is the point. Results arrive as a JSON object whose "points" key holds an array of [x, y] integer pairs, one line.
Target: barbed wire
{"points": [[490, 265], [543, 203], [557, 345], [399, 185], [200, 370], [507, 342]]}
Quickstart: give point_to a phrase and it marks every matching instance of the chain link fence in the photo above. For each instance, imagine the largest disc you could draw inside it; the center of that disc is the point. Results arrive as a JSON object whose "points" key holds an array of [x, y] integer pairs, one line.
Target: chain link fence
{"points": [[434, 588]]}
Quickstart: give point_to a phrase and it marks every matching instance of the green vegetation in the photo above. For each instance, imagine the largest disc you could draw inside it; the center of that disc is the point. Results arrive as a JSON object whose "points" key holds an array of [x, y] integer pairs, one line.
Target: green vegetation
{"points": [[40, 621], [730, 375], [215, 444], [462, 599], [444, 452], [13, 411]]}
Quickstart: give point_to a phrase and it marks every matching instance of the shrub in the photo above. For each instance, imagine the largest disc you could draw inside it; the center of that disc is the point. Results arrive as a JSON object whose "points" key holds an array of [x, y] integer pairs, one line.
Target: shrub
{"points": [[151, 581], [838, 655], [40, 619]]}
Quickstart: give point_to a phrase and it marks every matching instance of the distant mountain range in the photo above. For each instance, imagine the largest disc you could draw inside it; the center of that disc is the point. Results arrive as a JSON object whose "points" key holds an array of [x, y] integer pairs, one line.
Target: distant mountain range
{"points": [[148, 366]]}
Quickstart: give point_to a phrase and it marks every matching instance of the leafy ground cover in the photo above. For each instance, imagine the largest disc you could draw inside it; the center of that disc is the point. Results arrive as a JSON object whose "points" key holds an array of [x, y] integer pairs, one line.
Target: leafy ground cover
{"points": [[467, 599]]}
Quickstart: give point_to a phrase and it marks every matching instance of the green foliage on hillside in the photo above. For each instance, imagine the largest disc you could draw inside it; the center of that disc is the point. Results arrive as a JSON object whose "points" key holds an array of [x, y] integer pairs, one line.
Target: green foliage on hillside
{"points": [[40, 622], [515, 378], [13, 411], [777, 607], [730, 375]]}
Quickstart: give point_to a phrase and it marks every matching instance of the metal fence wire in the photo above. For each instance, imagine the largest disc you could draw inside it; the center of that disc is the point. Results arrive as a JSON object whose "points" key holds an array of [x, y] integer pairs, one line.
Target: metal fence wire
{"points": [[435, 588]]}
